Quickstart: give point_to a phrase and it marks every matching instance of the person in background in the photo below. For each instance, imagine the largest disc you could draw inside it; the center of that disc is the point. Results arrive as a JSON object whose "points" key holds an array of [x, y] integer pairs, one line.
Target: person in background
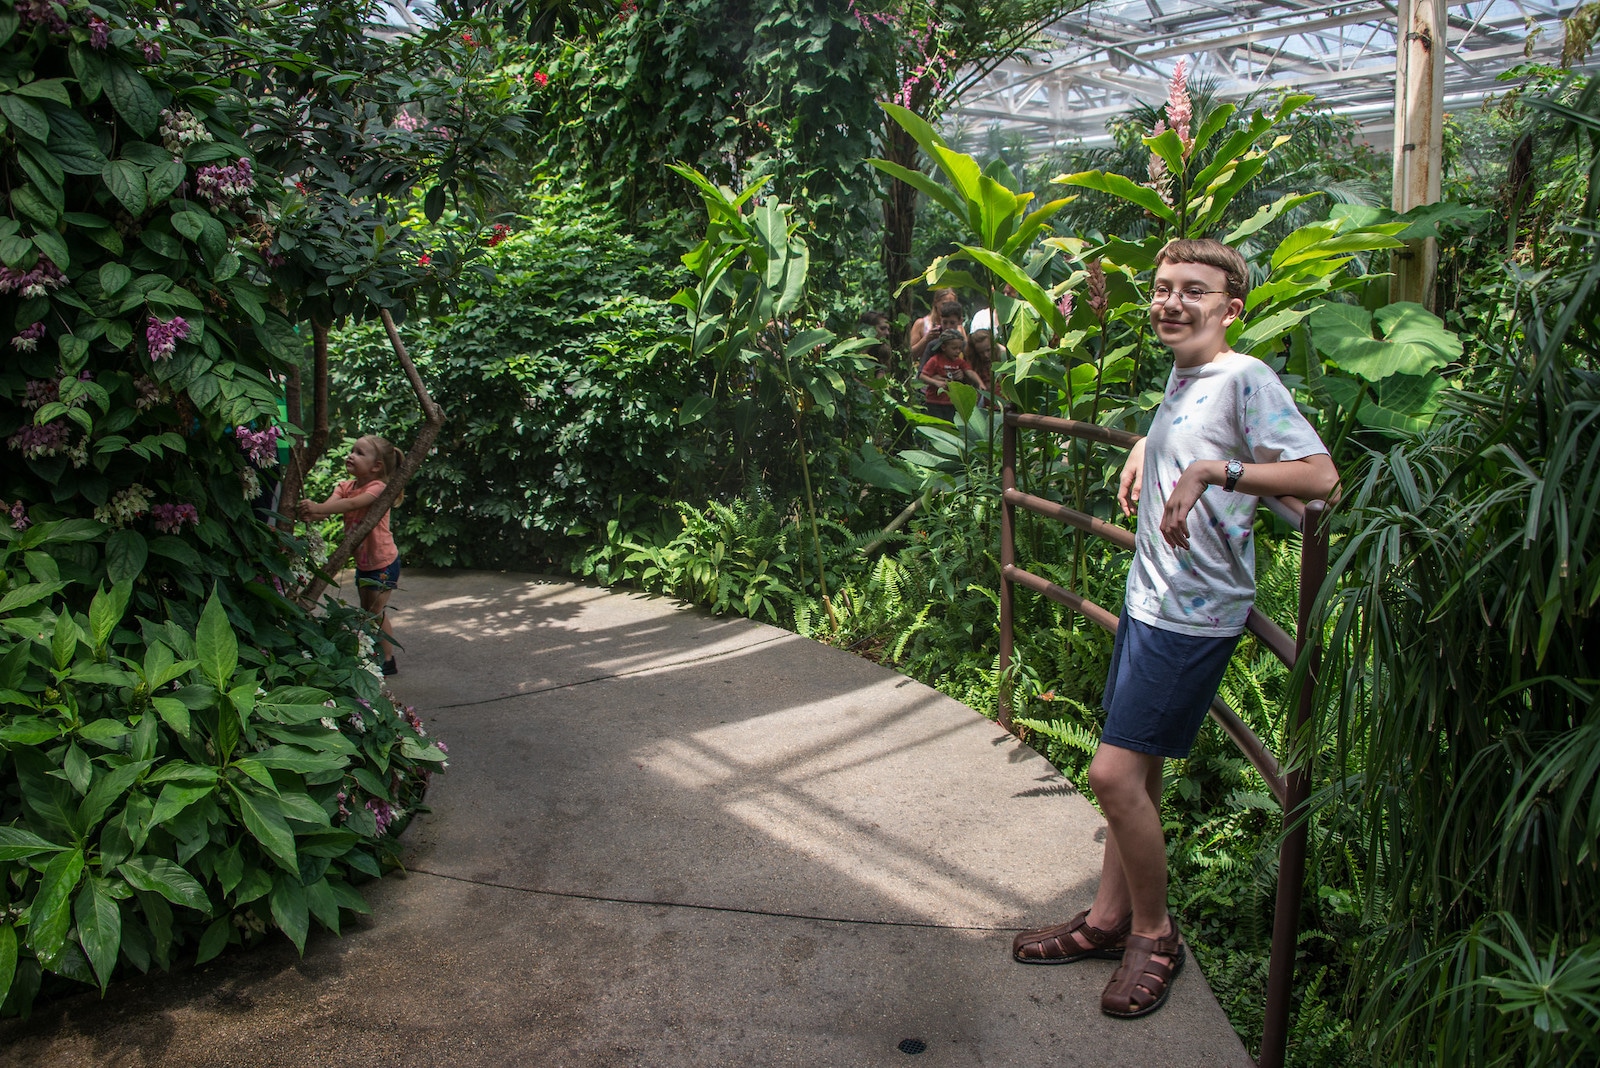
{"points": [[372, 461], [981, 355], [947, 314], [876, 324], [945, 363]]}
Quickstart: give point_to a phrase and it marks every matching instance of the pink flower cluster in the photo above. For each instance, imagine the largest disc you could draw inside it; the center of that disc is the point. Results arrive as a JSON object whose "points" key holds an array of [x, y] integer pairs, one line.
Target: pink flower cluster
{"points": [[170, 518], [540, 79], [19, 516], [163, 337], [260, 445], [99, 33], [28, 340], [36, 441], [1064, 305], [151, 50], [219, 184], [382, 812], [407, 122], [1180, 109], [1160, 178], [45, 11], [44, 277], [1097, 289], [39, 392]]}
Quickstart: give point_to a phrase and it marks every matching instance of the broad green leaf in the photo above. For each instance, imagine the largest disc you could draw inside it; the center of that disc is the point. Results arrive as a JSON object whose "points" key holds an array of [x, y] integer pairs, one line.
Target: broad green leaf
{"points": [[1417, 341], [215, 940], [215, 644], [323, 904], [17, 843], [694, 409], [163, 877], [46, 89], [106, 611], [1267, 215], [53, 245], [1122, 187], [163, 180], [126, 550], [51, 914], [289, 908], [175, 797], [964, 398], [1266, 333], [173, 713], [1169, 148], [25, 116], [923, 184], [267, 825], [106, 790], [1026, 287], [132, 97], [8, 958], [105, 732], [113, 276], [99, 929], [127, 184]]}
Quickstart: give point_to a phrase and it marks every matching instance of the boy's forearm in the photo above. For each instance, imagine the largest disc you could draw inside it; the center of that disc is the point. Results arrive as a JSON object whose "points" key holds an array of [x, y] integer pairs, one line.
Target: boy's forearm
{"points": [[1312, 478]]}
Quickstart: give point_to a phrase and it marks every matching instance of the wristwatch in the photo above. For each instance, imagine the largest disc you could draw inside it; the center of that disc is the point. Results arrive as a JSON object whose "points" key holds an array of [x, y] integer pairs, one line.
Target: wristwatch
{"points": [[1235, 470]]}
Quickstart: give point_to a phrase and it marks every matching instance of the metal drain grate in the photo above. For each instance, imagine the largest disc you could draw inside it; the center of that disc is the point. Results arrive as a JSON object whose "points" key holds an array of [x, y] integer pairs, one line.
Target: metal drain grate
{"points": [[912, 1045]]}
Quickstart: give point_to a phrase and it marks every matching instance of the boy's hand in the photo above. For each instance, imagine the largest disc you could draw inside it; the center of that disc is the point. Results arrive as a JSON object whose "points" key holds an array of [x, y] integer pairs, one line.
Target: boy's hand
{"points": [[1132, 480], [1175, 517]]}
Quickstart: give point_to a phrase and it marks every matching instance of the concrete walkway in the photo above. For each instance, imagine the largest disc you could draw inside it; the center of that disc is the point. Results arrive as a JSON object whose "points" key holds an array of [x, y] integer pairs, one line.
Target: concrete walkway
{"points": [[671, 840]]}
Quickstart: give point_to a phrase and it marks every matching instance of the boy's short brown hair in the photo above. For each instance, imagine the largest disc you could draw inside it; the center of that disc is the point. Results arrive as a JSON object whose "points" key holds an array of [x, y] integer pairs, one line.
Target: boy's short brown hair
{"points": [[1204, 250]]}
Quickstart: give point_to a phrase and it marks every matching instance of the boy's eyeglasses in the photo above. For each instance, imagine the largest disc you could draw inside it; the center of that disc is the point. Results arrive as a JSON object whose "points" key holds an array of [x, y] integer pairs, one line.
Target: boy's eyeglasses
{"points": [[1191, 295]]}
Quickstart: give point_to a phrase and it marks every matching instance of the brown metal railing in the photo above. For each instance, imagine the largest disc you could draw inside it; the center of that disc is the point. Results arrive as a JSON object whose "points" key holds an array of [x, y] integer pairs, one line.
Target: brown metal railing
{"points": [[1291, 787]]}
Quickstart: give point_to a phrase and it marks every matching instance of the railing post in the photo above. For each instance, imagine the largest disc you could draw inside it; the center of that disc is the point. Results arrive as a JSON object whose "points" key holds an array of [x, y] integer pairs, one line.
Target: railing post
{"points": [[1298, 756], [1008, 557]]}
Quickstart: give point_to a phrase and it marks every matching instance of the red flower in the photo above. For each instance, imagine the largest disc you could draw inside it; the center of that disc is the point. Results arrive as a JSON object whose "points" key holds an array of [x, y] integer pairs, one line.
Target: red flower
{"points": [[540, 79], [301, 186], [498, 233], [424, 260], [467, 40]]}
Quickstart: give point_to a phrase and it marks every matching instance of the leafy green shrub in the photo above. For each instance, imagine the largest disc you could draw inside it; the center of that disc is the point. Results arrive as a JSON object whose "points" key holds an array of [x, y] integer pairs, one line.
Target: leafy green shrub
{"points": [[168, 782], [562, 380], [185, 753]]}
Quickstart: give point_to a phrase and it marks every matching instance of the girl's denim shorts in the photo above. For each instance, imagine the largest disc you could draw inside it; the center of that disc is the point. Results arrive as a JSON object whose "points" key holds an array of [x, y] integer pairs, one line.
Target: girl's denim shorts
{"points": [[1159, 687], [387, 578]]}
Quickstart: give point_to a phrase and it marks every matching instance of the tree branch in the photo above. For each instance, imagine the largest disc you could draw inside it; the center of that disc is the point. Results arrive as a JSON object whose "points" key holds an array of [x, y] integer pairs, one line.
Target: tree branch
{"points": [[303, 455]]}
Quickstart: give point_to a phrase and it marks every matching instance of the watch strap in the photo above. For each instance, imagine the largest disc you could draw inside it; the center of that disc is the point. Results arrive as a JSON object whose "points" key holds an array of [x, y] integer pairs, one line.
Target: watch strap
{"points": [[1235, 471]]}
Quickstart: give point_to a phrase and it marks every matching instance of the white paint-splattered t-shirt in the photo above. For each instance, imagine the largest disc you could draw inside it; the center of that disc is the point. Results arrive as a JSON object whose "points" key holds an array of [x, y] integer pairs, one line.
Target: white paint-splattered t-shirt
{"points": [[1231, 408]]}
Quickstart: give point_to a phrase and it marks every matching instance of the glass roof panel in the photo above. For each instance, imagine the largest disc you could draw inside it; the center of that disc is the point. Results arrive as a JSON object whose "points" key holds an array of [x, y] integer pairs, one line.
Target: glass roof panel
{"points": [[1106, 57]]}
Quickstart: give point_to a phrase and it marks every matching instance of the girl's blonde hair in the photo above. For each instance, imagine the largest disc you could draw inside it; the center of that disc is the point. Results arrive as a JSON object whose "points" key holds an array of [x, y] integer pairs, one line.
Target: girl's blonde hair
{"points": [[387, 455]]}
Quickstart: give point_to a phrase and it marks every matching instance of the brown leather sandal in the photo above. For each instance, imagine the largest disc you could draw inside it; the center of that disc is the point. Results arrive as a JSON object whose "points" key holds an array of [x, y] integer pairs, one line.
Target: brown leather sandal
{"points": [[1141, 984], [1060, 944]]}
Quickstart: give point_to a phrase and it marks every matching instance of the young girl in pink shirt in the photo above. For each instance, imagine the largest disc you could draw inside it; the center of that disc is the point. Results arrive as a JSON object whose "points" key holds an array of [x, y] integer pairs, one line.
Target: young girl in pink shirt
{"points": [[371, 461]]}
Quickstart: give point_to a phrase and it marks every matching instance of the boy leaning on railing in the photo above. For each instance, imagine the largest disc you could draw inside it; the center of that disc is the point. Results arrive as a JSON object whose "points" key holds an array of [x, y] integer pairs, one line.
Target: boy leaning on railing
{"points": [[1226, 433]]}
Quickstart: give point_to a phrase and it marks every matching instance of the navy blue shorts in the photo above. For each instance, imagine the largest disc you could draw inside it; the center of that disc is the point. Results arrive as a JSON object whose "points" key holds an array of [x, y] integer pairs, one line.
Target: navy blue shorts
{"points": [[387, 578], [1159, 687]]}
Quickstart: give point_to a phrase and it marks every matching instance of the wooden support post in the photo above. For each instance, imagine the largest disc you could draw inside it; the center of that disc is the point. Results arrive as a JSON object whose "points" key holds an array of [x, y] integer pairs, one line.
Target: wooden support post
{"points": [[1418, 137]]}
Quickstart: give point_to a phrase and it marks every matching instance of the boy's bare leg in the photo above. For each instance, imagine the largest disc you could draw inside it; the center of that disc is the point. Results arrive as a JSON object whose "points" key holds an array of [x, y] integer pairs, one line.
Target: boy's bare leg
{"points": [[1134, 873]]}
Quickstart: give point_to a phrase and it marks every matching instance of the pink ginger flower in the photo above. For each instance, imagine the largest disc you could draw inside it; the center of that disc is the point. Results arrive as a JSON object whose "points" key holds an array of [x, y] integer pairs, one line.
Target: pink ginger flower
{"points": [[1180, 109], [1097, 289], [1064, 305], [1160, 178]]}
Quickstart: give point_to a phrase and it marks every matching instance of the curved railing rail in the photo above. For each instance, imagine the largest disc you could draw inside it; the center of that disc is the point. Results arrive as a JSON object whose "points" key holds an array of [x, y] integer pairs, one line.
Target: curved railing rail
{"points": [[1291, 787]]}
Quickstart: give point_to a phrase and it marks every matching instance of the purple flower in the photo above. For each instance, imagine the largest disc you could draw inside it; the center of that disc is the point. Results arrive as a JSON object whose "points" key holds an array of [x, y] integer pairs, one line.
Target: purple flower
{"points": [[170, 518], [382, 812], [219, 184], [151, 50], [99, 32], [38, 282], [163, 337], [39, 392], [45, 11], [19, 517], [28, 340], [260, 445], [36, 441]]}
